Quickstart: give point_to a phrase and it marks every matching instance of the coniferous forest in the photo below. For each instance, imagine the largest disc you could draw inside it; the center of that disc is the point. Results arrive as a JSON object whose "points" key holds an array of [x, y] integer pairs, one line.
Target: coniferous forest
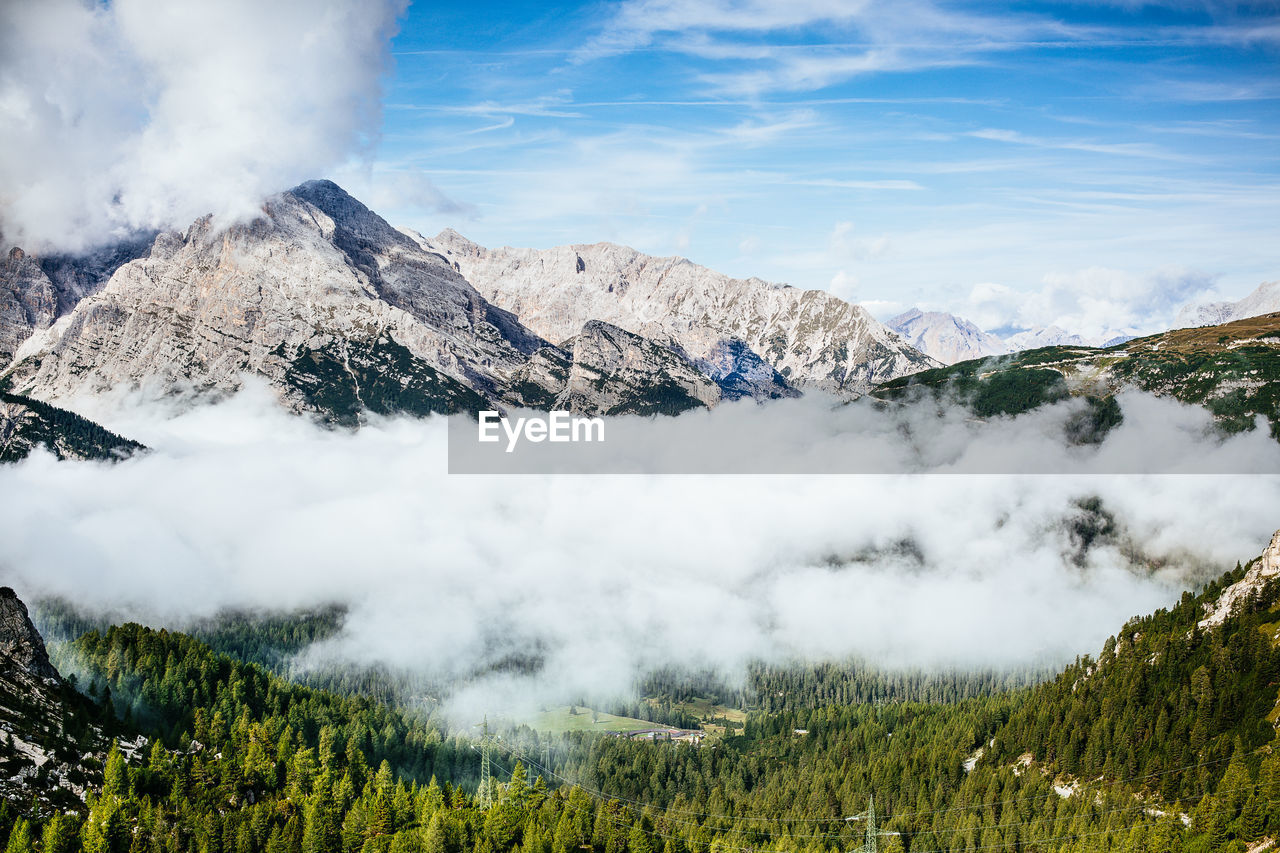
{"points": [[1163, 742]]}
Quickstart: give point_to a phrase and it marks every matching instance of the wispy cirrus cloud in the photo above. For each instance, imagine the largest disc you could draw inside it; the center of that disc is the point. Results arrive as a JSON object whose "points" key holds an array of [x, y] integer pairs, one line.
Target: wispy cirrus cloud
{"points": [[1122, 149], [870, 36]]}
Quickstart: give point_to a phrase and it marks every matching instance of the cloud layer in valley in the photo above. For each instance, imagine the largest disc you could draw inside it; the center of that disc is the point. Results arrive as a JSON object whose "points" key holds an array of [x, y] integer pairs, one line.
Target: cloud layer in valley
{"points": [[144, 114], [242, 505]]}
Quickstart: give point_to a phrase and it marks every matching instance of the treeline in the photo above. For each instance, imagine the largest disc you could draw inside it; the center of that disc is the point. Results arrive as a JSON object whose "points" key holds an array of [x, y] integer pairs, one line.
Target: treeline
{"points": [[798, 685], [268, 638]]}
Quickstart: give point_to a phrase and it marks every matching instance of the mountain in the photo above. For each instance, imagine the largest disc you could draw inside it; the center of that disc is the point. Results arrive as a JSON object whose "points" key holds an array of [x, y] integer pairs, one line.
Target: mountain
{"points": [[344, 315], [341, 312], [1233, 370], [26, 424], [1264, 300], [811, 338], [946, 337]]}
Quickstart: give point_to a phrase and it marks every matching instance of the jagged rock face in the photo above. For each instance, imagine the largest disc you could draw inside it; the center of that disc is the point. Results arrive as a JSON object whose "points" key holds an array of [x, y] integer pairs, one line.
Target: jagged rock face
{"points": [[19, 639], [1265, 299], [1267, 567], [319, 295], [811, 338], [28, 301], [605, 370], [946, 337], [741, 373], [36, 291], [51, 748]]}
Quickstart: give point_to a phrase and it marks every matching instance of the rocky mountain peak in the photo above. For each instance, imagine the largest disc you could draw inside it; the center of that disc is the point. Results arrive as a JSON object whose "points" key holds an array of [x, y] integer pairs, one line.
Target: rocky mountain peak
{"points": [[350, 215], [19, 639]]}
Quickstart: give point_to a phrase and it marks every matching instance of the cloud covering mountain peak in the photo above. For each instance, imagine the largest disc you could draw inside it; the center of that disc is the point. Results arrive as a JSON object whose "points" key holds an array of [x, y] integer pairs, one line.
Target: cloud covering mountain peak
{"points": [[142, 114]]}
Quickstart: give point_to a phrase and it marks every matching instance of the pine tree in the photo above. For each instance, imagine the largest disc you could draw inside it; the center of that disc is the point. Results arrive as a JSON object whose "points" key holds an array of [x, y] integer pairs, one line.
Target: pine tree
{"points": [[19, 838]]}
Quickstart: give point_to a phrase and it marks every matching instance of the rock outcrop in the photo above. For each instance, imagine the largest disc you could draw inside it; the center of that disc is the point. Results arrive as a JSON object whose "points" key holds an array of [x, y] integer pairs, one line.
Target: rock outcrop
{"points": [[1263, 569], [28, 301], [812, 339], [20, 642], [52, 743]]}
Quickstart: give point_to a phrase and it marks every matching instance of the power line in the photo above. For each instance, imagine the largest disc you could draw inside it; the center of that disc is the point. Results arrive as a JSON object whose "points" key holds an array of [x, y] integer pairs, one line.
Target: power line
{"points": [[722, 830], [1002, 846], [523, 755]]}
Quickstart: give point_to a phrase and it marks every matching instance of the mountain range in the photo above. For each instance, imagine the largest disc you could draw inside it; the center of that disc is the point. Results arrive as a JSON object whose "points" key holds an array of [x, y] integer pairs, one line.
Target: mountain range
{"points": [[813, 339], [951, 339], [343, 314]]}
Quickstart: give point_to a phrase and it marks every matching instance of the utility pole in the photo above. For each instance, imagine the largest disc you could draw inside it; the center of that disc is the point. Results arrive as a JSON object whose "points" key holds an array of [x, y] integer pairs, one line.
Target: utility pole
{"points": [[873, 835], [484, 793]]}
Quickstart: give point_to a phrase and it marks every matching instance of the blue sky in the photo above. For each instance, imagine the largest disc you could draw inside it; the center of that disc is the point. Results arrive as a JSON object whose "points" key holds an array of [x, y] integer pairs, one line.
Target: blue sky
{"points": [[1094, 164]]}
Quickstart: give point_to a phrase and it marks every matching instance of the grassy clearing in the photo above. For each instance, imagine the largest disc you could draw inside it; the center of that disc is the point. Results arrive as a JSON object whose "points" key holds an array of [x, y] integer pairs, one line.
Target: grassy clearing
{"points": [[559, 719]]}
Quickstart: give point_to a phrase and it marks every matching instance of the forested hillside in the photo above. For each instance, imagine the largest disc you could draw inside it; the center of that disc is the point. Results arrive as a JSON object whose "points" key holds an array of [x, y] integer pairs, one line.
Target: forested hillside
{"points": [[26, 424], [1163, 743]]}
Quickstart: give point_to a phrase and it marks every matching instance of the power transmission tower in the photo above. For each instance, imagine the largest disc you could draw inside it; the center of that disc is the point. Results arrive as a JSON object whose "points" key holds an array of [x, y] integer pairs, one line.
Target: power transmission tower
{"points": [[873, 835], [484, 794]]}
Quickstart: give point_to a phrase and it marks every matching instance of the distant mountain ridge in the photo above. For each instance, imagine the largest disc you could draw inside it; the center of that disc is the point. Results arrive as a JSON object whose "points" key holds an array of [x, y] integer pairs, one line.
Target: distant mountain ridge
{"points": [[951, 339], [1265, 299]]}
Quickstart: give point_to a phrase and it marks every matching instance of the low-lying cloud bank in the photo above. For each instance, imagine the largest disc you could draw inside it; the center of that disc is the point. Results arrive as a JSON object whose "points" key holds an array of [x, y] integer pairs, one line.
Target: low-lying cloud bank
{"points": [[243, 505]]}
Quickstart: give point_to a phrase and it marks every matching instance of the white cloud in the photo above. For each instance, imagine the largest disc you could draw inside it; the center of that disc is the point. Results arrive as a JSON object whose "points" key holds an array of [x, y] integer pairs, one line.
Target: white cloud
{"points": [[1091, 302], [243, 505], [145, 114], [845, 245]]}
